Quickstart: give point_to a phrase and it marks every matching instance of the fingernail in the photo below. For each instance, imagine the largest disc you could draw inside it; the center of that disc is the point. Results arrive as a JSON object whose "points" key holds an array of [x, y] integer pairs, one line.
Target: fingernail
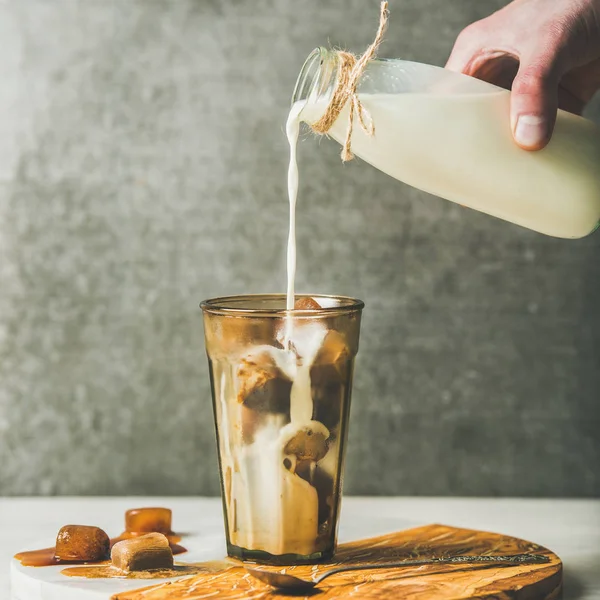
{"points": [[529, 131]]}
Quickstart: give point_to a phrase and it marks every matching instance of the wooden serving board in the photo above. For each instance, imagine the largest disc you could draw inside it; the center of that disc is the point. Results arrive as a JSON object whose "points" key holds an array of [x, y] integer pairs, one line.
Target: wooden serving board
{"points": [[431, 582]]}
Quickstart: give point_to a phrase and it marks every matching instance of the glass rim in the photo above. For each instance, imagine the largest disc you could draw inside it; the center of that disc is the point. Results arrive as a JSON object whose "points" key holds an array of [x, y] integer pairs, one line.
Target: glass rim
{"points": [[218, 306]]}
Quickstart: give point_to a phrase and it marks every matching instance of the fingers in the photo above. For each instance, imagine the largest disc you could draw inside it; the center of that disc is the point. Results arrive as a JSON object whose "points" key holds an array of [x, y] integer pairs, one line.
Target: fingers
{"points": [[492, 48], [534, 102], [534, 95]]}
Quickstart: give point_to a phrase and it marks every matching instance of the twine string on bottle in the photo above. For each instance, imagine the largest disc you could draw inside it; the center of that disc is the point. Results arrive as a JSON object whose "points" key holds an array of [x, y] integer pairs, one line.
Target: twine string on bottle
{"points": [[350, 70]]}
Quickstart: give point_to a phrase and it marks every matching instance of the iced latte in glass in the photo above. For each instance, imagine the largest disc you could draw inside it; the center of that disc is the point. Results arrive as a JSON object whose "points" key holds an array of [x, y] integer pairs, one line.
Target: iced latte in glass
{"points": [[281, 383]]}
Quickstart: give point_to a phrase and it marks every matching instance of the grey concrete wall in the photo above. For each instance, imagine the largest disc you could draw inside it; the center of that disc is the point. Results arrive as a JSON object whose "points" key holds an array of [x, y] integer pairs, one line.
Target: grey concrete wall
{"points": [[142, 168]]}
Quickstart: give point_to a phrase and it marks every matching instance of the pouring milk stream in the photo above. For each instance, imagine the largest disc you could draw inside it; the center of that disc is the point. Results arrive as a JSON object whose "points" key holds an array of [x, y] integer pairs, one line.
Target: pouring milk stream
{"points": [[274, 509]]}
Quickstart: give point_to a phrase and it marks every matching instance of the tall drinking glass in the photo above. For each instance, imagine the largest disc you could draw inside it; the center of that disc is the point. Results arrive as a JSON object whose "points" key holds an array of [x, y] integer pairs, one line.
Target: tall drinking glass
{"points": [[281, 384]]}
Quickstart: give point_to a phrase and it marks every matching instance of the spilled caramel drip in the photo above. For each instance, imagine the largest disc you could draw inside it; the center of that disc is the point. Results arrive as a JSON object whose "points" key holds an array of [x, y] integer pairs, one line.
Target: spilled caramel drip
{"points": [[40, 558], [179, 570], [110, 572]]}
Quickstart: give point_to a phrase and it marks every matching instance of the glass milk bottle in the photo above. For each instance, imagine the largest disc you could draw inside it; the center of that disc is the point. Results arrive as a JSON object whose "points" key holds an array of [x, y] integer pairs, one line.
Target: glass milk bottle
{"points": [[449, 134]]}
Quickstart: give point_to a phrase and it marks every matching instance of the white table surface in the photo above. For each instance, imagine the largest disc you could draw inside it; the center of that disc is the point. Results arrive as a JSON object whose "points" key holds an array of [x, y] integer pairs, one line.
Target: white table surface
{"points": [[571, 528]]}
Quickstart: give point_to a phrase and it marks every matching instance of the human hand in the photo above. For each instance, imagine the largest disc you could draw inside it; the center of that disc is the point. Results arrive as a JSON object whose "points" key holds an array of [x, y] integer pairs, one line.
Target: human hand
{"points": [[546, 51]]}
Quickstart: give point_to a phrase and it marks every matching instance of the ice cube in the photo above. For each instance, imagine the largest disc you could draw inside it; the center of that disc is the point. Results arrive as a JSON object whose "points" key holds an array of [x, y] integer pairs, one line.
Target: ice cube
{"points": [[262, 384], [82, 543], [147, 520], [309, 442], [330, 366], [333, 351], [329, 378], [143, 553], [306, 303]]}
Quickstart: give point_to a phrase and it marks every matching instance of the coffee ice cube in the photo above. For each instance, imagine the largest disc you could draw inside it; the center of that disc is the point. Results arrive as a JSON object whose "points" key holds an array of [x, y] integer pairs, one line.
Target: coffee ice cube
{"points": [[329, 378], [309, 443], [306, 303], [148, 520], [143, 553], [262, 384], [82, 543], [334, 351]]}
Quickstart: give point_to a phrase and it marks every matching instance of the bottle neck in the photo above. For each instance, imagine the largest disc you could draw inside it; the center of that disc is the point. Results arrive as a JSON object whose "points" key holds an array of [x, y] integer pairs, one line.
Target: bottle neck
{"points": [[317, 78]]}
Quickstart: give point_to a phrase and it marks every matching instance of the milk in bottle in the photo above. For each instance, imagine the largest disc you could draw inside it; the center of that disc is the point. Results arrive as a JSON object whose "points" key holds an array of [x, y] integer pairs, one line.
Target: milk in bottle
{"points": [[449, 134]]}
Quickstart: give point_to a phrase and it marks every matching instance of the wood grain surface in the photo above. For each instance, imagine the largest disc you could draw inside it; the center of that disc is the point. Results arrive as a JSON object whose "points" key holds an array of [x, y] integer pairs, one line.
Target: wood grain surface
{"points": [[430, 582]]}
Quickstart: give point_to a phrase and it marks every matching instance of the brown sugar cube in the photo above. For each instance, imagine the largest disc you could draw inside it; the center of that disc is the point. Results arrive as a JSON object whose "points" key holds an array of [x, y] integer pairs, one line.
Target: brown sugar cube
{"points": [[82, 543], [263, 386], [308, 443], [148, 520], [144, 553], [307, 303]]}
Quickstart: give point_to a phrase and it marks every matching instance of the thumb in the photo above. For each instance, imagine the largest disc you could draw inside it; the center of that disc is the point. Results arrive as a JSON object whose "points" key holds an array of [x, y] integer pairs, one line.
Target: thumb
{"points": [[534, 101]]}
